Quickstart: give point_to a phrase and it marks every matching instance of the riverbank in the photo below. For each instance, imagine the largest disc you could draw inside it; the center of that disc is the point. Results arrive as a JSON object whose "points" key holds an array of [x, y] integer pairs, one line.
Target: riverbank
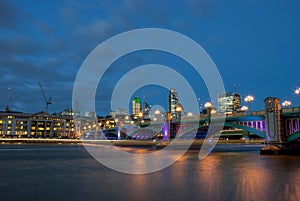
{"points": [[118, 142]]}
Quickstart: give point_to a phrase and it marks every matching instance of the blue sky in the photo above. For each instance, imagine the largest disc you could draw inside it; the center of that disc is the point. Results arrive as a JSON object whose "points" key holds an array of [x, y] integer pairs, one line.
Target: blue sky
{"points": [[254, 44]]}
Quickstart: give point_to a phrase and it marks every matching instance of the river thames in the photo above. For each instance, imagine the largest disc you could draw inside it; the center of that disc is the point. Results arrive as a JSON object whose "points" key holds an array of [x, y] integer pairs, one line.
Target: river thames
{"points": [[68, 172]]}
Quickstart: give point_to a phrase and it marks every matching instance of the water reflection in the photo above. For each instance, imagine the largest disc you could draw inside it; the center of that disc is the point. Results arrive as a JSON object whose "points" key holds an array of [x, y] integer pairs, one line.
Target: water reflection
{"points": [[252, 180], [65, 173]]}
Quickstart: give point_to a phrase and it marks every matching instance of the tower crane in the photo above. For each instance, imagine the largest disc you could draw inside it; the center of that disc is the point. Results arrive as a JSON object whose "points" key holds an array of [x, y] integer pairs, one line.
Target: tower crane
{"points": [[7, 109], [47, 101]]}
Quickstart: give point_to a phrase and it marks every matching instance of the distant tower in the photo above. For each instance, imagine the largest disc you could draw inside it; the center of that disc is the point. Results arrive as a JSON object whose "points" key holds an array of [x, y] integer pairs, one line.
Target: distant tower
{"points": [[136, 106], [273, 123]]}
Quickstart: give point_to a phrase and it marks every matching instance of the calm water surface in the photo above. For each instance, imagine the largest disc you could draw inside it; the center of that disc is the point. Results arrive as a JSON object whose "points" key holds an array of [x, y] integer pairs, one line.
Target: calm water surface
{"points": [[68, 172]]}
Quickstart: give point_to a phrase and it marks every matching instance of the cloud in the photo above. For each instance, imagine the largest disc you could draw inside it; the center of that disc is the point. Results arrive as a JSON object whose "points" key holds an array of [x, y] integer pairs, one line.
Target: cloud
{"points": [[18, 45], [32, 51], [10, 15]]}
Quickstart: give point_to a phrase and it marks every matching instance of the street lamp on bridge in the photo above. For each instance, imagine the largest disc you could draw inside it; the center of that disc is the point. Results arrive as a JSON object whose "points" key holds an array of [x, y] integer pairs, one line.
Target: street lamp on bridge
{"points": [[213, 111], [297, 91], [286, 103], [210, 108], [244, 108], [208, 105], [249, 99]]}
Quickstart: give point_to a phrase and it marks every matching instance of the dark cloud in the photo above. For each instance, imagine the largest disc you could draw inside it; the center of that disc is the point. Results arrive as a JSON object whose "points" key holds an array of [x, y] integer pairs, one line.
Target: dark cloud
{"points": [[10, 15], [18, 45], [14, 18]]}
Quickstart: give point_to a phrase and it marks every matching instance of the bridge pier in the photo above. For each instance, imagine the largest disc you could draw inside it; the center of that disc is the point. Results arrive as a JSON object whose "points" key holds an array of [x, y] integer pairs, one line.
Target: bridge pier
{"points": [[274, 133], [276, 140], [274, 130]]}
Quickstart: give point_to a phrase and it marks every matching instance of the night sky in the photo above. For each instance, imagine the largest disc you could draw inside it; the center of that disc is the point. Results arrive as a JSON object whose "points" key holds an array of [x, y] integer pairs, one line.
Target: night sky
{"points": [[254, 44]]}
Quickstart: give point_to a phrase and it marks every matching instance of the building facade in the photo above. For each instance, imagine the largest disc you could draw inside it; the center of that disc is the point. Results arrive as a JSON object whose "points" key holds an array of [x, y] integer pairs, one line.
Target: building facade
{"points": [[136, 106], [147, 108], [38, 125], [229, 102], [68, 115], [174, 106]]}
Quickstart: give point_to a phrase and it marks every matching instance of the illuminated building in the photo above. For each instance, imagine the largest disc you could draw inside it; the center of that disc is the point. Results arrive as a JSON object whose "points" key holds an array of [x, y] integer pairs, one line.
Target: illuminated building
{"points": [[147, 108], [175, 108], [107, 122], [136, 106], [38, 125], [229, 102], [68, 115], [15, 124]]}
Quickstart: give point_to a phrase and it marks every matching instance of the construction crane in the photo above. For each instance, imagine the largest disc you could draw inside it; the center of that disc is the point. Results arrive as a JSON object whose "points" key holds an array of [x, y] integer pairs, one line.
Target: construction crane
{"points": [[47, 101], [7, 109]]}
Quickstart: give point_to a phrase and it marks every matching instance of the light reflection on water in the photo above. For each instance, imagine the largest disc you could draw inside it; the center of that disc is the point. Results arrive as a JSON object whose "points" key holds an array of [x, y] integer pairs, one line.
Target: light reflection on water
{"points": [[70, 173]]}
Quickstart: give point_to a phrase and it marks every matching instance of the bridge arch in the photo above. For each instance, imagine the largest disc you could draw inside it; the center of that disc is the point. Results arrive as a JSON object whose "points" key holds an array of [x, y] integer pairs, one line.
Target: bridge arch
{"points": [[232, 125], [293, 136], [259, 133]]}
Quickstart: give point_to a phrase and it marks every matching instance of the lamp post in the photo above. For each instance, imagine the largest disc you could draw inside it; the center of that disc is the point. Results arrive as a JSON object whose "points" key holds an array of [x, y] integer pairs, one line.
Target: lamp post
{"points": [[208, 105], [178, 109], [244, 108], [210, 108], [286, 103], [249, 99], [297, 91]]}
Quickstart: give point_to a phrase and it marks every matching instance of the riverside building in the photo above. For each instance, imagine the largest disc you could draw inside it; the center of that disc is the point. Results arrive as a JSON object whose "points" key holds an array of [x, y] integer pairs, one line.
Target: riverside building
{"points": [[38, 125]]}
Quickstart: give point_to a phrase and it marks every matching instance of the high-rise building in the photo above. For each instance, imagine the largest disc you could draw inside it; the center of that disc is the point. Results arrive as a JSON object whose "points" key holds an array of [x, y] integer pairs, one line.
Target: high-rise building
{"points": [[147, 108], [175, 108], [229, 102], [136, 106]]}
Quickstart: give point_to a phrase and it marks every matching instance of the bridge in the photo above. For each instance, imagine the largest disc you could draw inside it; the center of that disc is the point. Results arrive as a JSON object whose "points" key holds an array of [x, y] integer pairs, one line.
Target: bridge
{"points": [[255, 123], [274, 124]]}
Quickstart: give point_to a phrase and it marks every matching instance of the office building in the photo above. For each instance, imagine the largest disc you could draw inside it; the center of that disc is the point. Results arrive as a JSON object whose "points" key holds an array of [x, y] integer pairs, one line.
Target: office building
{"points": [[229, 102], [136, 106], [147, 108], [175, 108]]}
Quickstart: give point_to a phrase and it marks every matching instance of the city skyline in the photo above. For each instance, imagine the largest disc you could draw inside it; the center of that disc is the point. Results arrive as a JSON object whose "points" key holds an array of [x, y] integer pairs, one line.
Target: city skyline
{"points": [[253, 44]]}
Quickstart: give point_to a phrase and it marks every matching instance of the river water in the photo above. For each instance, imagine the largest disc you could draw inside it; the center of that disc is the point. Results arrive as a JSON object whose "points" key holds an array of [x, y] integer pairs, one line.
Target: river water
{"points": [[68, 172]]}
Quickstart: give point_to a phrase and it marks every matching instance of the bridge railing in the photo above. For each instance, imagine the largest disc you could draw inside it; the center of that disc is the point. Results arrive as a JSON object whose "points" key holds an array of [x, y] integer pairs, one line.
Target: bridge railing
{"points": [[290, 110], [261, 112], [239, 114]]}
